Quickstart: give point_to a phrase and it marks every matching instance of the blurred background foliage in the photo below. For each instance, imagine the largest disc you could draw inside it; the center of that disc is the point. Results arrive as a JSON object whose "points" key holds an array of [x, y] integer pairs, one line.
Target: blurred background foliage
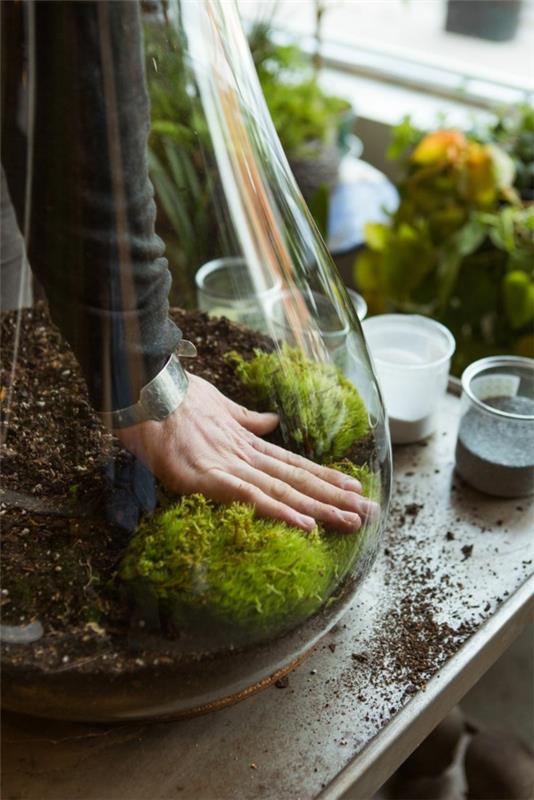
{"points": [[460, 247], [303, 114], [179, 168], [309, 123]]}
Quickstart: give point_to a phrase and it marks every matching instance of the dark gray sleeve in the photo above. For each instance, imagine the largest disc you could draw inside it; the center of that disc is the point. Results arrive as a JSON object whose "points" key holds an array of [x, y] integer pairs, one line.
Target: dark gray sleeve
{"points": [[92, 242]]}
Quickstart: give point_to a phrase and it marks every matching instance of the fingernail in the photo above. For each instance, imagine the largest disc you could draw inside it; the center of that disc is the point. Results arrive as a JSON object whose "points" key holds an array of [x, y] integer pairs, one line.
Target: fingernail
{"points": [[354, 502], [352, 485], [352, 519], [307, 522], [369, 508]]}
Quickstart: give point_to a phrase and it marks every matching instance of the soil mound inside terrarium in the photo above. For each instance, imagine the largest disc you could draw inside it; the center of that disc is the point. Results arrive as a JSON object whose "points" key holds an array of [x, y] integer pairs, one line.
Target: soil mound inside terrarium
{"points": [[71, 496]]}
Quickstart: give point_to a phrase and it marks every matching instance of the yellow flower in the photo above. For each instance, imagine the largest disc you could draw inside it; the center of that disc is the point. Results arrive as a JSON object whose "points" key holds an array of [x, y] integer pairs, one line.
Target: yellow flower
{"points": [[440, 146], [480, 180]]}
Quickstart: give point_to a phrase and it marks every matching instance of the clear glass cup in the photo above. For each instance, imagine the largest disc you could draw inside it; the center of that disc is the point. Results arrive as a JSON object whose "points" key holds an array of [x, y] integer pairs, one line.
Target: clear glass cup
{"points": [[331, 330], [495, 444], [224, 289], [154, 588]]}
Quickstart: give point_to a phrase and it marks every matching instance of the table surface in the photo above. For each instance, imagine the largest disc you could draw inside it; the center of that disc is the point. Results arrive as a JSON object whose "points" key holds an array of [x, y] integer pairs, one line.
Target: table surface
{"points": [[451, 588]]}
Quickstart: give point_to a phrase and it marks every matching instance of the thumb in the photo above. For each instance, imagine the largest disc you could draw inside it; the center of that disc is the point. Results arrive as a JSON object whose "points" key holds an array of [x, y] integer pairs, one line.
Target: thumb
{"points": [[253, 421]]}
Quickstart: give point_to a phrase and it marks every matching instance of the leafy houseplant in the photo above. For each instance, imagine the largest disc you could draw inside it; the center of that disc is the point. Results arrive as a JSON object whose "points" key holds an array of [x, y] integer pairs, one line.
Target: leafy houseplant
{"points": [[460, 247], [181, 162], [306, 118], [513, 131], [179, 168]]}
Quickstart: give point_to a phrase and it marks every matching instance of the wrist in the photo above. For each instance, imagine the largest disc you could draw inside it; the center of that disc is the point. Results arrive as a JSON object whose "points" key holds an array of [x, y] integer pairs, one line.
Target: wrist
{"points": [[160, 397]]}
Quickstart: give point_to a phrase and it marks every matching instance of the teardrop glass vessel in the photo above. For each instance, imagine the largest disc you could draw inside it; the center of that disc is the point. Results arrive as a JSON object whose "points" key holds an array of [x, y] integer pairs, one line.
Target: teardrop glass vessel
{"points": [[194, 554]]}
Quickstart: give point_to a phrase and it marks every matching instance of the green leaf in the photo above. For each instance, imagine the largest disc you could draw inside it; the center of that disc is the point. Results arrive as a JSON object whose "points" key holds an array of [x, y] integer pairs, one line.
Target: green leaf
{"points": [[171, 199], [376, 235], [503, 167], [319, 207], [405, 136], [464, 242], [164, 127], [407, 261], [367, 271], [518, 298], [502, 233], [470, 237]]}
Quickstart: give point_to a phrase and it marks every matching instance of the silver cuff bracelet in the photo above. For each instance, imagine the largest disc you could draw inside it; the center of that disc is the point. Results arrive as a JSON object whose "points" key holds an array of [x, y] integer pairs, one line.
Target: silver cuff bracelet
{"points": [[159, 398]]}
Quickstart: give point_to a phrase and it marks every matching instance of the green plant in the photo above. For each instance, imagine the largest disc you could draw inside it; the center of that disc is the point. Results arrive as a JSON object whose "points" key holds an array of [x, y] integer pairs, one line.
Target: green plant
{"points": [[460, 247], [513, 130], [321, 412], [215, 568], [178, 157], [181, 160], [302, 112]]}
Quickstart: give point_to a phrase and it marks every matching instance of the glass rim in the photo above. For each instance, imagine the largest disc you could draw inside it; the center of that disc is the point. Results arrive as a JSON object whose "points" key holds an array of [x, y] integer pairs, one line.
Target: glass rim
{"points": [[358, 299], [210, 267], [324, 334], [430, 323], [475, 369]]}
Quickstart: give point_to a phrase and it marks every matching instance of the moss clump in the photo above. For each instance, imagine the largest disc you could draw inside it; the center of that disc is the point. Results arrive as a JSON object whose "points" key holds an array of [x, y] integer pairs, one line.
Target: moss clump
{"points": [[321, 412], [343, 550], [210, 566]]}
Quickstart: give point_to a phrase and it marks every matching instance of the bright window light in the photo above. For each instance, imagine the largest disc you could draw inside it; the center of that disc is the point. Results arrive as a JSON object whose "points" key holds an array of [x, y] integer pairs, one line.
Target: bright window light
{"points": [[407, 42]]}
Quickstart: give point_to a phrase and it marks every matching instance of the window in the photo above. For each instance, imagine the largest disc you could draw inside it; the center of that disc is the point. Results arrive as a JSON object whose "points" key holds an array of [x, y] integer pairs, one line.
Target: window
{"points": [[406, 42]]}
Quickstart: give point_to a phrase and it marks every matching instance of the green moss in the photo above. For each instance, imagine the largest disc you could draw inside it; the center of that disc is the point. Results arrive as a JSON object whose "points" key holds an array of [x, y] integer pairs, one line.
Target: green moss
{"points": [[223, 562], [217, 568], [344, 550], [321, 412], [213, 567]]}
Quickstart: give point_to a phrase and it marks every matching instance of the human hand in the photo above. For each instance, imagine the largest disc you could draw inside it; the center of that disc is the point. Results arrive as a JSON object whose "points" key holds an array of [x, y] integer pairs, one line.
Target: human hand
{"points": [[212, 445]]}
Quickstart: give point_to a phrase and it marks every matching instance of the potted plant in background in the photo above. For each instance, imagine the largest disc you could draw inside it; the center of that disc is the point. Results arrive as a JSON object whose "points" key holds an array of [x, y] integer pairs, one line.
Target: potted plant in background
{"points": [[496, 20], [460, 247], [311, 124], [513, 131], [179, 168], [308, 120]]}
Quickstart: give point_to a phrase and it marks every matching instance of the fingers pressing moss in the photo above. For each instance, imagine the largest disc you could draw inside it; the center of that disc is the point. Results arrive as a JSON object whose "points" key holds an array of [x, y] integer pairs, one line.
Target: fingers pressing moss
{"points": [[321, 413]]}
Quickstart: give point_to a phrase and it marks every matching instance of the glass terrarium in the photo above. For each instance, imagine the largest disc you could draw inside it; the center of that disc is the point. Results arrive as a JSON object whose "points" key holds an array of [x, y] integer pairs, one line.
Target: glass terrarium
{"points": [[158, 566]]}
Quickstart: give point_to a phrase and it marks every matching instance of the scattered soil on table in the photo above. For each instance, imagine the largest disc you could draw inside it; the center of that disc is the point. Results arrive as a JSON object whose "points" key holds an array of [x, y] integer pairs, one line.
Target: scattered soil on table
{"points": [[414, 637], [467, 551], [412, 510], [68, 490], [415, 640]]}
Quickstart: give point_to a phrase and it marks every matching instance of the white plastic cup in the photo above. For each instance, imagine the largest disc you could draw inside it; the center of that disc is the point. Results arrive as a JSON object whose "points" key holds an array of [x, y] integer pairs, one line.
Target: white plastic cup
{"points": [[412, 357]]}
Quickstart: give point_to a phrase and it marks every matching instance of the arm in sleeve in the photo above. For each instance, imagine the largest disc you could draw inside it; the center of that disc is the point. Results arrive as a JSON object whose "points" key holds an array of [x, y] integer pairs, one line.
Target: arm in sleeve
{"points": [[92, 237]]}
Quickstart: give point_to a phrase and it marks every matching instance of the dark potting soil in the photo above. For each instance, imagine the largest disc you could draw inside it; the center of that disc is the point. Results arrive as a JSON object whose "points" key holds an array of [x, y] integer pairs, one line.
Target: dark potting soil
{"points": [[55, 440], [60, 471]]}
